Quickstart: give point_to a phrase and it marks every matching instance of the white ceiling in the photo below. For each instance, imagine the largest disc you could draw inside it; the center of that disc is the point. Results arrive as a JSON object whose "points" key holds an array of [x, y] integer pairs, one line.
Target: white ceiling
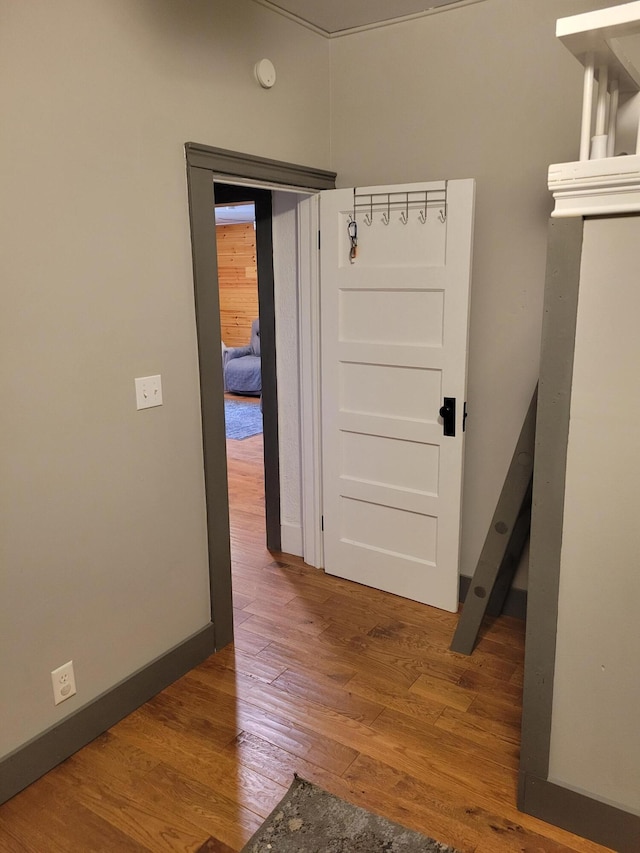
{"points": [[235, 214], [336, 16]]}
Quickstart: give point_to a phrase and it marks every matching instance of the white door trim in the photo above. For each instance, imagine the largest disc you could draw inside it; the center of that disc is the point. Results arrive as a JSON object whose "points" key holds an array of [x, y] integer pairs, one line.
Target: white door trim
{"points": [[308, 289], [310, 410]]}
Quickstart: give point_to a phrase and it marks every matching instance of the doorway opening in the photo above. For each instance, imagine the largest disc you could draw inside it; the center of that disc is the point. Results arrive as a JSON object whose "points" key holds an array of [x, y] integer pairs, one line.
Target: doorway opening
{"points": [[239, 331], [247, 325], [206, 167]]}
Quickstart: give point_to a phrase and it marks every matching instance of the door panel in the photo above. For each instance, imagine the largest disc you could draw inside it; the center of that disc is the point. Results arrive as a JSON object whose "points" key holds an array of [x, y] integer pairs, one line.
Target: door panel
{"points": [[375, 459], [387, 316], [394, 343]]}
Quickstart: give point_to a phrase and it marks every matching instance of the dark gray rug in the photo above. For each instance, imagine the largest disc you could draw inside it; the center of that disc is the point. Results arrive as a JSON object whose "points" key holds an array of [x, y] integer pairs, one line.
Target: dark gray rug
{"points": [[242, 419], [309, 820]]}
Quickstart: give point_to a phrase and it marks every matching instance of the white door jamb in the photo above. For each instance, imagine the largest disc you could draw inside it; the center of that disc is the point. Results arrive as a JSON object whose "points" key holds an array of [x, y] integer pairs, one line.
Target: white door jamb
{"points": [[310, 411]]}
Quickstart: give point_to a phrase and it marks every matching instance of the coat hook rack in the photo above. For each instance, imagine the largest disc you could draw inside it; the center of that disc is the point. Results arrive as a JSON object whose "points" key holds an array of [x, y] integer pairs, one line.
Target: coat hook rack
{"points": [[374, 204]]}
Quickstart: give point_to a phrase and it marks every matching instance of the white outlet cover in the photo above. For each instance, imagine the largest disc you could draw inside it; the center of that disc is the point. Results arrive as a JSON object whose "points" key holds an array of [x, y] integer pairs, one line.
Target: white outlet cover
{"points": [[148, 391], [63, 681]]}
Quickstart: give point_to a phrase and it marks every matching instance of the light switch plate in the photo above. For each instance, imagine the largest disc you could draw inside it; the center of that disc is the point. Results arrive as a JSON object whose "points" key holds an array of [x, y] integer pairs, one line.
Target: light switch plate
{"points": [[148, 391]]}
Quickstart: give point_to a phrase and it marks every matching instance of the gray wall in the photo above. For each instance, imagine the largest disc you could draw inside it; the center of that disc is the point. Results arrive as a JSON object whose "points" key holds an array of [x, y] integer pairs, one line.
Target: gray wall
{"points": [[483, 91], [103, 539], [595, 747], [103, 546]]}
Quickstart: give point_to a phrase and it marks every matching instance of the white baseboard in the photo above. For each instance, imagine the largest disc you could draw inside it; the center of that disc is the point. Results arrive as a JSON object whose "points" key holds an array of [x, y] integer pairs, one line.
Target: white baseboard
{"points": [[291, 539]]}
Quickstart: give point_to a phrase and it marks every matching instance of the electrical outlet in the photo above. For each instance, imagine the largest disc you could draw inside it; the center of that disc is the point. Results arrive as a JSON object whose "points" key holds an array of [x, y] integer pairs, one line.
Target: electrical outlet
{"points": [[64, 682]]}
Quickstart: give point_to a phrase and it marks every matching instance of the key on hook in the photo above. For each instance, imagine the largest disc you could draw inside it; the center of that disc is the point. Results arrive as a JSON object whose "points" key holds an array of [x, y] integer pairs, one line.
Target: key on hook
{"points": [[352, 230]]}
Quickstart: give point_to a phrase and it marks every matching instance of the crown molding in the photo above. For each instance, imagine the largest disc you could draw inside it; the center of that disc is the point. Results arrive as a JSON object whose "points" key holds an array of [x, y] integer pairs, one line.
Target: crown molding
{"points": [[454, 4]]}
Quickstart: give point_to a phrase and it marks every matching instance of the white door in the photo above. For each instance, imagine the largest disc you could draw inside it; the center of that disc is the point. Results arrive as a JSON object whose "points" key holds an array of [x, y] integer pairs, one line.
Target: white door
{"points": [[394, 327]]}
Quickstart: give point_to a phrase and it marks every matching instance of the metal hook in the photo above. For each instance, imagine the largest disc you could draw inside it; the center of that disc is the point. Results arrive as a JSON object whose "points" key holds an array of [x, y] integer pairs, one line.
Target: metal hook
{"points": [[422, 216], [404, 218], [442, 216], [368, 218], [386, 217]]}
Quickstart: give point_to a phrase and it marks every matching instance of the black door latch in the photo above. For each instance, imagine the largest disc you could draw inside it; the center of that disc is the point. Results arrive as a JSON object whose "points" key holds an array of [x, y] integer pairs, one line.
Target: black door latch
{"points": [[448, 415]]}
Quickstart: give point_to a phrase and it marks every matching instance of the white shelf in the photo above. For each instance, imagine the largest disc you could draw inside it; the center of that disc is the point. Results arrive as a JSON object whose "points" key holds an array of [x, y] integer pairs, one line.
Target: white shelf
{"points": [[598, 33], [600, 183]]}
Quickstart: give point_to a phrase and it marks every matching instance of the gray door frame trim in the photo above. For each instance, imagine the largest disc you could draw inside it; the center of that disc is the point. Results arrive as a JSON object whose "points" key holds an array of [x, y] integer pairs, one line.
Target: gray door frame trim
{"points": [[564, 253], [538, 795], [205, 164], [207, 311], [235, 164]]}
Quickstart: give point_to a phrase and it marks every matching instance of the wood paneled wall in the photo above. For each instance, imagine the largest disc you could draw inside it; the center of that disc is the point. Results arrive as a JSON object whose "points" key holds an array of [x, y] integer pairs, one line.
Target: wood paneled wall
{"points": [[238, 280]]}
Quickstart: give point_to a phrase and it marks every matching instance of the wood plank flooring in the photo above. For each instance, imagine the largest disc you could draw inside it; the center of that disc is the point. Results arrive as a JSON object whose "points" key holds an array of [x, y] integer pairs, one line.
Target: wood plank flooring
{"points": [[351, 688]]}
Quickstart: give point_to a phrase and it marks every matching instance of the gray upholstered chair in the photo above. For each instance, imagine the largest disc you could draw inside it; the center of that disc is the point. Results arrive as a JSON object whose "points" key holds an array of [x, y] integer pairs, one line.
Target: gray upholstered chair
{"points": [[241, 365]]}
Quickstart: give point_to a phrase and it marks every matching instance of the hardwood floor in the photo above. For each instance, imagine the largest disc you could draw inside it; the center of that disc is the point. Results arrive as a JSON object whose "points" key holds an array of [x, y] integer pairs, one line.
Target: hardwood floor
{"points": [[351, 688]]}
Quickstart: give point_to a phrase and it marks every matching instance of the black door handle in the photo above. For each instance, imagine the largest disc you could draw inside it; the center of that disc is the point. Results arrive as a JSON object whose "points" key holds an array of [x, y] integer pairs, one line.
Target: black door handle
{"points": [[448, 415]]}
